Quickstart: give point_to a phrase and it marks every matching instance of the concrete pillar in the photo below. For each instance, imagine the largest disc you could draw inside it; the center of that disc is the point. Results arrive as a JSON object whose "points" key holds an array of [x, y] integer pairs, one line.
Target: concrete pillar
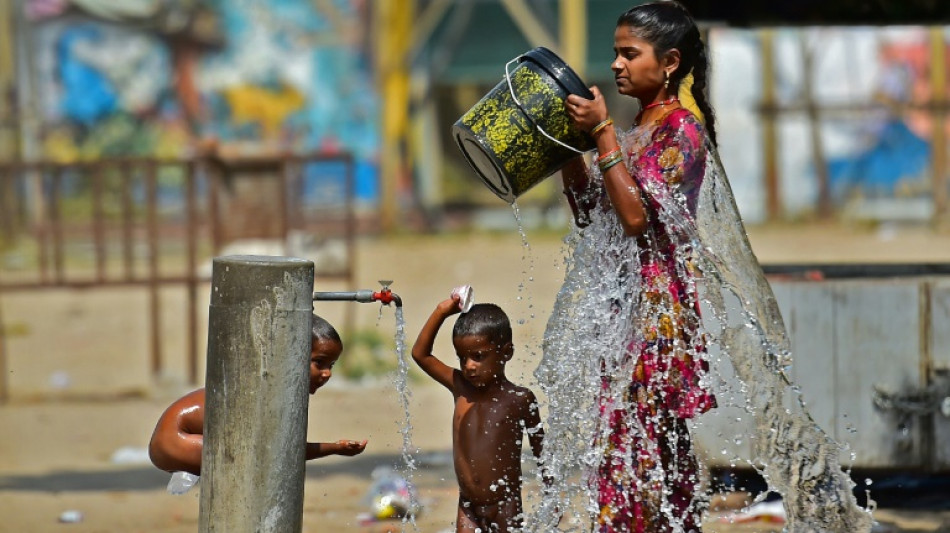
{"points": [[255, 428]]}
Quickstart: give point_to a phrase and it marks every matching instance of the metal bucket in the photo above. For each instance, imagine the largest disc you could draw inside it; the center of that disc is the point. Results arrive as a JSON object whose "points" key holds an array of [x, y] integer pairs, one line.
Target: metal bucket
{"points": [[520, 133]]}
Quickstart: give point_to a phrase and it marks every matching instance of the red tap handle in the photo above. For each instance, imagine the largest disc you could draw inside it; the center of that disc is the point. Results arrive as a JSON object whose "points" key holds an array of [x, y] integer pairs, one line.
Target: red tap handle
{"points": [[384, 296]]}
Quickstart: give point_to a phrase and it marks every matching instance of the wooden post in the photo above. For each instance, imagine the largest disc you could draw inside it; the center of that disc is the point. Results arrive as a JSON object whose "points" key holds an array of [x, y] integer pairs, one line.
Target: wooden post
{"points": [[938, 84], [154, 294], [825, 207], [191, 216], [4, 382], [773, 197], [255, 428], [8, 113], [393, 22], [573, 32]]}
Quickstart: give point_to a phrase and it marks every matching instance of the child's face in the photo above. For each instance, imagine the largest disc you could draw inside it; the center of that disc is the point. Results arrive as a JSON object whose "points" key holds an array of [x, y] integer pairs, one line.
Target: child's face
{"points": [[323, 355], [481, 361]]}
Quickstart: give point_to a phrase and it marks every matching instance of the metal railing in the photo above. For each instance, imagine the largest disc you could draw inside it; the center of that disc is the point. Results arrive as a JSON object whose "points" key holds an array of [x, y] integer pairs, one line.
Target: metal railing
{"points": [[129, 212]]}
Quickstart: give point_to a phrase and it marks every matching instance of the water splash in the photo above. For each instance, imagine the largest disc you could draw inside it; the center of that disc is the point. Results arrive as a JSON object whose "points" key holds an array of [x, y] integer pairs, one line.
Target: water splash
{"points": [[592, 317], [607, 316], [527, 258], [797, 458]]}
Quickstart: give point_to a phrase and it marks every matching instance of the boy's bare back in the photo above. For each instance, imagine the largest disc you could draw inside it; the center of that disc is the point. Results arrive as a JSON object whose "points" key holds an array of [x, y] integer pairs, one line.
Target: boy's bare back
{"points": [[177, 440]]}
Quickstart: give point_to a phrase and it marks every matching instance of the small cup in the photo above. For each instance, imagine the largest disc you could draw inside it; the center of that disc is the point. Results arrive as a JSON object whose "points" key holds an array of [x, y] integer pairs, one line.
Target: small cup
{"points": [[465, 297]]}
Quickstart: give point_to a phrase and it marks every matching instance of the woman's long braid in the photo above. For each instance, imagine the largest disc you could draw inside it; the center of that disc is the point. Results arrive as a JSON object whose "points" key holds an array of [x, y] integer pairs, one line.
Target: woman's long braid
{"points": [[700, 82], [693, 59]]}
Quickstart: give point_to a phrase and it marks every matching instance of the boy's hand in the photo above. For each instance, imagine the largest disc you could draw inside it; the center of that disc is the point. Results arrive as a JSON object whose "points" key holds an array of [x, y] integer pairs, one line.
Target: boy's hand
{"points": [[449, 307], [350, 448]]}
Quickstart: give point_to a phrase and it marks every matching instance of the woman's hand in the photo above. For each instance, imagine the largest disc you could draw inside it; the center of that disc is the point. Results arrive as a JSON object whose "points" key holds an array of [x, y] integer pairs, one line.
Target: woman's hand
{"points": [[586, 113]]}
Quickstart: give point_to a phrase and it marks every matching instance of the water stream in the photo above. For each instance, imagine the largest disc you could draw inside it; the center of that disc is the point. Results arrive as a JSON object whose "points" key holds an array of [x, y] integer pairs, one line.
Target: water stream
{"points": [[401, 382], [527, 274]]}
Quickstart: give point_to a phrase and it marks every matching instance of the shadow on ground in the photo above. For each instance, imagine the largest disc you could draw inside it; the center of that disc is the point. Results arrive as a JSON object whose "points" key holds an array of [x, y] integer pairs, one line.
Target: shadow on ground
{"points": [[432, 467]]}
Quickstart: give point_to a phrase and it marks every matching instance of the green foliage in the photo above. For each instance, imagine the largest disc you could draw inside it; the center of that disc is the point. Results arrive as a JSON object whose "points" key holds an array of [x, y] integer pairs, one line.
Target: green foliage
{"points": [[367, 353]]}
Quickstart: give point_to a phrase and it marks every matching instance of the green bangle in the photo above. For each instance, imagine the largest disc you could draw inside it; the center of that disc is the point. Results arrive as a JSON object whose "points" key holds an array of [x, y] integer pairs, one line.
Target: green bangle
{"points": [[611, 160], [609, 164]]}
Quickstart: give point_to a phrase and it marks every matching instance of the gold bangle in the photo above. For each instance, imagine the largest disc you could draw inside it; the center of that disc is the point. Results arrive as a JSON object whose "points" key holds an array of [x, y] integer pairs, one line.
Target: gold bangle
{"points": [[606, 122]]}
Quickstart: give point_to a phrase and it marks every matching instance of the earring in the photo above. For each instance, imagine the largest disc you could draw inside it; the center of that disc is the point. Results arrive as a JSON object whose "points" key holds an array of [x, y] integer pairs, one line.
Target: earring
{"points": [[666, 82]]}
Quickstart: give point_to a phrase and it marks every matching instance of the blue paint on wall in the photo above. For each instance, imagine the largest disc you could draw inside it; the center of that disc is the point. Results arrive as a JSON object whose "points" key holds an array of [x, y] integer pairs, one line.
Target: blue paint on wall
{"points": [[88, 95]]}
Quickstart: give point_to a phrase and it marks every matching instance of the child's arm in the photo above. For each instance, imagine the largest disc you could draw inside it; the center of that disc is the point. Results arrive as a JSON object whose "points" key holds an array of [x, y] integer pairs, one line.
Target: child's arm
{"points": [[422, 349], [177, 440], [316, 450]]}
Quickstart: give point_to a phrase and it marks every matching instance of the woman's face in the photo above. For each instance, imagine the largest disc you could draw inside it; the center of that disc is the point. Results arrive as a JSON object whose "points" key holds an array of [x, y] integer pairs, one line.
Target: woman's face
{"points": [[637, 71]]}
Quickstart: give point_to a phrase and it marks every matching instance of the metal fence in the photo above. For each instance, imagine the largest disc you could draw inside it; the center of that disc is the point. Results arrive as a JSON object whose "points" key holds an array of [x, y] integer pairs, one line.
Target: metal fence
{"points": [[145, 222]]}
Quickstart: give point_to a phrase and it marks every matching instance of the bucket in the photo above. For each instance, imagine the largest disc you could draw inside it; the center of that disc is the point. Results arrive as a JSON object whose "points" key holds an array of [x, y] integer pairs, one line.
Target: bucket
{"points": [[520, 133]]}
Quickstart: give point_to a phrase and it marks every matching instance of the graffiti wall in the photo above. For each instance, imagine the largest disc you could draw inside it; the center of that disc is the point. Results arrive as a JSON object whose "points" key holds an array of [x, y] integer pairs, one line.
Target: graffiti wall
{"points": [[154, 77]]}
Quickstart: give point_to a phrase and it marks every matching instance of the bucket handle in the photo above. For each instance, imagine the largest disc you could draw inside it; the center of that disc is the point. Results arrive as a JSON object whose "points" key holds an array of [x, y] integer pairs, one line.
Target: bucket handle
{"points": [[518, 103]]}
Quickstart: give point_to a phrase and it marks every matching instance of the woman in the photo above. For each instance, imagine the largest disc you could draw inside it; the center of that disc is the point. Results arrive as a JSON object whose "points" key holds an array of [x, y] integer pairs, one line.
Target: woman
{"points": [[658, 51], [655, 215]]}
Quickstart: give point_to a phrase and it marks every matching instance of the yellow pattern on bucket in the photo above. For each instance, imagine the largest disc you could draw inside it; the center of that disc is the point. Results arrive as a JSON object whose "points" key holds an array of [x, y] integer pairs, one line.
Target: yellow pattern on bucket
{"points": [[500, 136]]}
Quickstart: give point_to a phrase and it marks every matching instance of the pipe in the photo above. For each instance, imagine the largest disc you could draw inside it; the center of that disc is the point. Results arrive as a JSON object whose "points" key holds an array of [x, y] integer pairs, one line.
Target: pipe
{"points": [[384, 296], [362, 296]]}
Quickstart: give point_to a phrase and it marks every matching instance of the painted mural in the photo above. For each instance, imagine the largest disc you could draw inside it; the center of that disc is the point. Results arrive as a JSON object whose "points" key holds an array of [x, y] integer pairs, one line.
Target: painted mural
{"points": [[156, 77]]}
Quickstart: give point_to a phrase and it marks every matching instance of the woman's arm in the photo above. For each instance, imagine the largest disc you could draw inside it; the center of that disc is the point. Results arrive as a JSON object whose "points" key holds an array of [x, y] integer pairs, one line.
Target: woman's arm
{"points": [[621, 188], [623, 191]]}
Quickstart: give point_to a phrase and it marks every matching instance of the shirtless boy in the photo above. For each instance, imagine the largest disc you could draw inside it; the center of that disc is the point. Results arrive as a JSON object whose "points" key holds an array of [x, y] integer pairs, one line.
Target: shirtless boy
{"points": [[491, 415], [177, 439]]}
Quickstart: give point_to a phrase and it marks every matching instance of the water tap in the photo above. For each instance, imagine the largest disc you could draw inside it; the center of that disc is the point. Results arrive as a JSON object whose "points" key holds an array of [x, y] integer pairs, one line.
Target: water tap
{"points": [[385, 295]]}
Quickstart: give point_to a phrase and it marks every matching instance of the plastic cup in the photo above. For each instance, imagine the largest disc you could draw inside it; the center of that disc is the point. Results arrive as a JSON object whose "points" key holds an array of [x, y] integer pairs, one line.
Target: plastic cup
{"points": [[466, 299]]}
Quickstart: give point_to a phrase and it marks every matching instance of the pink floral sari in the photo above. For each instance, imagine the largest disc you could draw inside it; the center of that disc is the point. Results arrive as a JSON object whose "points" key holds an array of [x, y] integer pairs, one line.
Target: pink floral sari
{"points": [[649, 473]]}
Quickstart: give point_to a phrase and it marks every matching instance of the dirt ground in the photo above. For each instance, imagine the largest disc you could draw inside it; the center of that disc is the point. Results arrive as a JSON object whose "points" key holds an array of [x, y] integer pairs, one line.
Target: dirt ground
{"points": [[83, 404]]}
